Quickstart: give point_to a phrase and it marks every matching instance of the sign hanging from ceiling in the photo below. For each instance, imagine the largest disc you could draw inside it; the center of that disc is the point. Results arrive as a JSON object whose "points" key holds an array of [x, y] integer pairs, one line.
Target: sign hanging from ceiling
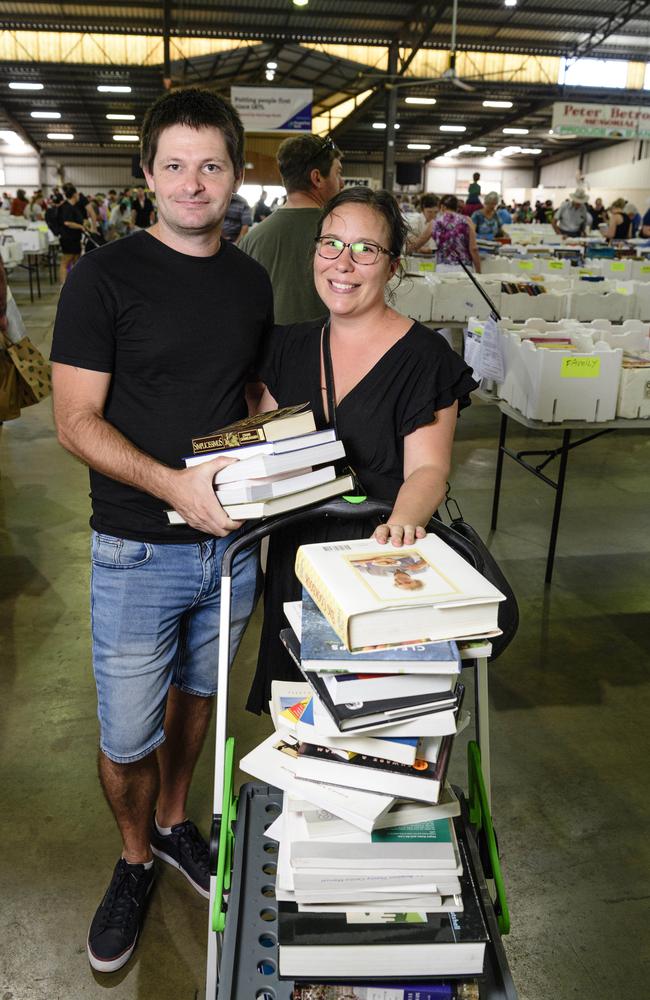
{"points": [[273, 109], [612, 121]]}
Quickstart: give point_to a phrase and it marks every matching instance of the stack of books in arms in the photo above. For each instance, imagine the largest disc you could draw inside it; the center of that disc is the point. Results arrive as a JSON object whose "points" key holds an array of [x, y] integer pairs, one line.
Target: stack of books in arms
{"points": [[283, 463], [372, 880]]}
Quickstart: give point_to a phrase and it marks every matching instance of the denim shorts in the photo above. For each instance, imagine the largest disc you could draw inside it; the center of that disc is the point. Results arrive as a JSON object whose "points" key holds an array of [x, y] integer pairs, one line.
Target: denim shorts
{"points": [[155, 622]]}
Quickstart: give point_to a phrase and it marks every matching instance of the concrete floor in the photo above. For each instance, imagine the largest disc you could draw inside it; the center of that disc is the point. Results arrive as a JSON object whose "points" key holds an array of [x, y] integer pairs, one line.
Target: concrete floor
{"points": [[570, 702]]}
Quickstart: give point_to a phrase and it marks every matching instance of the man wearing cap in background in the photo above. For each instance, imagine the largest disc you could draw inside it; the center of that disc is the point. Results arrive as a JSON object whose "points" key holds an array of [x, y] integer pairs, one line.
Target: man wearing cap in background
{"points": [[283, 244], [572, 217]]}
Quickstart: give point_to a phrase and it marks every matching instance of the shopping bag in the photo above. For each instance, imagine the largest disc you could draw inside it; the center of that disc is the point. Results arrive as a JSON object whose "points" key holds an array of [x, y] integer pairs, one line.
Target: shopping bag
{"points": [[35, 374], [9, 388]]}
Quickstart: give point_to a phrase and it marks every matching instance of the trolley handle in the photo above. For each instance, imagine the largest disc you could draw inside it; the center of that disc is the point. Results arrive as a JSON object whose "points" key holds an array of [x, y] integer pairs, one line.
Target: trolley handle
{"points": [[343, 509]]}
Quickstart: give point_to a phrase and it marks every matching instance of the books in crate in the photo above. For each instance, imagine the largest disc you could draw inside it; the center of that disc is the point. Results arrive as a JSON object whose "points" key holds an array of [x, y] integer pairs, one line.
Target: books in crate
{"points": [[282, 463]]}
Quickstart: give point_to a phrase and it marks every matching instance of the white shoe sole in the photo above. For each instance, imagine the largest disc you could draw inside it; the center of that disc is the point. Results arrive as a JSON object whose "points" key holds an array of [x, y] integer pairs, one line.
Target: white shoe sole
{"points": [[99, 965], [172, 861]]}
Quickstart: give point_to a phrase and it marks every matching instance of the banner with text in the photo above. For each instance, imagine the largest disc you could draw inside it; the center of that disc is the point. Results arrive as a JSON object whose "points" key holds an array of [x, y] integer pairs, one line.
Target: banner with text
{"points": [[613, 121], [273, 109]]}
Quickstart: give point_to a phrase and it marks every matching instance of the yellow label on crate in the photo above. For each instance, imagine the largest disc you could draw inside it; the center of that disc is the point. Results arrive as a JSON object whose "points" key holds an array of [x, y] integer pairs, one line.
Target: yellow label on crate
{"points": [[426, 265], [585, 270], [645, 269], [525, 265], [617, 265], [580, 368], [556, 265], [622, 290]]}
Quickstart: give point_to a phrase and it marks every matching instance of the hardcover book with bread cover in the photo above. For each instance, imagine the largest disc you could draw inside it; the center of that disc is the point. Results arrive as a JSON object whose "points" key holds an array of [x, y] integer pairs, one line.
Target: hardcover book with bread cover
{"points": [[270, 426]]}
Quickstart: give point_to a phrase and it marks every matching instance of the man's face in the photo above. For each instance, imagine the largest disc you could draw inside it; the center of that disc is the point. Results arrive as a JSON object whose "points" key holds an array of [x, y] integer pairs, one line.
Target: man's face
{"points": [[333, 183], [193, 178]]}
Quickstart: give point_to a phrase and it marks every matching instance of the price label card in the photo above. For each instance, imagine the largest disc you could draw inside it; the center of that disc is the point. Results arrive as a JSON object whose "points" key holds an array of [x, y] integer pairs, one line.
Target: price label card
{"points": [[622, 290], [585, 270], [525, 265], [426, 265], [645, 269], [555, 265], [580, 367], [617, 265]]}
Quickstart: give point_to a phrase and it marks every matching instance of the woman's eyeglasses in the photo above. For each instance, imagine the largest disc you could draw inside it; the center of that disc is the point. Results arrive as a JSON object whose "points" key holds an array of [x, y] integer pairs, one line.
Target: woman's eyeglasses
{"points": [[361, 251]]}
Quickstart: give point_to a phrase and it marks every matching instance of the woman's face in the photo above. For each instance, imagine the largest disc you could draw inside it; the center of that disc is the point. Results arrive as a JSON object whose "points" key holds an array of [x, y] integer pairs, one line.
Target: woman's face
{"points": [[348, 288]]}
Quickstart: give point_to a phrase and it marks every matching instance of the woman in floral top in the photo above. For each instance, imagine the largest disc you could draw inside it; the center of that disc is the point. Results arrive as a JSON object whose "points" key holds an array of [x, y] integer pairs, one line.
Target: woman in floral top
{"points": [[454, 236]]}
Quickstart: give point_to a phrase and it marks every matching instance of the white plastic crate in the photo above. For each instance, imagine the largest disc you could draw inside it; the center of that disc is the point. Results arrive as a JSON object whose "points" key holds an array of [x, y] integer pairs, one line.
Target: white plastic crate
{"points": [[31, 240], [587, 303], [634, 393], [411, 296], [557, 385], [631, 335], [455, 298], [12, 252]]}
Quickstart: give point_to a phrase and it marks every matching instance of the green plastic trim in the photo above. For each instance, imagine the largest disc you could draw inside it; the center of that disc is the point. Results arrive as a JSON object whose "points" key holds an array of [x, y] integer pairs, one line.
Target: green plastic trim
{"points": [[226, 838], [480, 818], [355, 500]]}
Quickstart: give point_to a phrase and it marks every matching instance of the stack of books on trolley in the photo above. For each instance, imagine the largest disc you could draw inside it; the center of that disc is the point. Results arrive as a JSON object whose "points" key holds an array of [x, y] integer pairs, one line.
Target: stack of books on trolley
{"points": [[283, 463], [373, 882]]}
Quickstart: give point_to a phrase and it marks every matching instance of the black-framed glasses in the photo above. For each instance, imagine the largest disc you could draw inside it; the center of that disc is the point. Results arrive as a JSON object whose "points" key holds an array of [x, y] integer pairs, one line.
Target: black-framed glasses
{"points": [[361, 251]]}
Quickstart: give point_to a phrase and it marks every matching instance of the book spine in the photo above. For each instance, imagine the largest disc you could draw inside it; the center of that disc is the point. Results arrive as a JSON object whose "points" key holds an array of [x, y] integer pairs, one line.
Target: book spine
{"points": [[322, 596], [232, 439]]}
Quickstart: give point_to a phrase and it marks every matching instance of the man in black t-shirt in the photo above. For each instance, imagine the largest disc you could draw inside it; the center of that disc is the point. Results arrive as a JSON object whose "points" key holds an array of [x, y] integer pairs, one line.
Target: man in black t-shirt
{"points": [[155, 339]]}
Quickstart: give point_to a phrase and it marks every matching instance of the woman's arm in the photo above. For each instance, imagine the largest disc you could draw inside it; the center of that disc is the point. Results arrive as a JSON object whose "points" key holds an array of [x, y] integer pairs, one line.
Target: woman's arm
{"points": [[415, 242], [259, 403], [427, 460], [613, 220], [473, 247]]}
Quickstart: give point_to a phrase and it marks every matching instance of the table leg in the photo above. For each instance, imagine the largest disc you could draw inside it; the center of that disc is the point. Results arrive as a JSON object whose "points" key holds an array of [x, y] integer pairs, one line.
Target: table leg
{"points": [[557, 509], [38, 274], [483, 722], [31, 277], [497, 478]]}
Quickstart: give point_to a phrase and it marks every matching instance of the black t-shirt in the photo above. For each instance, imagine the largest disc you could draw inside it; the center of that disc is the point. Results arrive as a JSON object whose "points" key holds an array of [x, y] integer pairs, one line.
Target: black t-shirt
{"points": [[181, 336], [142, 212], [415, 377], [70, 239]]}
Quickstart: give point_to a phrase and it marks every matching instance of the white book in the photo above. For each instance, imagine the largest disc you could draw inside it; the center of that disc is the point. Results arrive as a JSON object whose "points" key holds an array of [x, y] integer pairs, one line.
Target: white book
{"points": [[274, 486], [270, 465], [433, 724], [346, 688], [404, 904], [282, 447], [376, 594], [279, 505], [273, 762], [322, 825]]}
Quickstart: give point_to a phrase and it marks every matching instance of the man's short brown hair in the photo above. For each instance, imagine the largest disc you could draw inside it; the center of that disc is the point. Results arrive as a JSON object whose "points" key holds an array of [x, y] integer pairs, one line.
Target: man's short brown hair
{"points": [[300, 154], [196, 109]]}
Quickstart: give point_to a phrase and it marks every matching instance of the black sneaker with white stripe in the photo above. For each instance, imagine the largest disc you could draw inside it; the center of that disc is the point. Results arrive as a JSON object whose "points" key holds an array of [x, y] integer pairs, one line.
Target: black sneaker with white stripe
{"points": [[116, 925], [185, 849]]}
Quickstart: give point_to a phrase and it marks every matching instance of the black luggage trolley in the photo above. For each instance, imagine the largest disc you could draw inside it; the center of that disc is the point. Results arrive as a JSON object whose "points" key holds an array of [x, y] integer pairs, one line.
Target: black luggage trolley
{"points": [[242, 943]]}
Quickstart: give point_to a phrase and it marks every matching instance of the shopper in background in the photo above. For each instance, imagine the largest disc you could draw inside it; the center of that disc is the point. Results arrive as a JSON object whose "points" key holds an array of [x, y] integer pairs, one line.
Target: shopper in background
{"points": [[620, 225], [454, 236], [238, 220], [19, 203], [71, 226], [154, 340], [119, 220], [311, 172], [421, 242], [572, 217], [645, 224], [52, 214], [474, 191], [633, 215], [261, 210], [598, 213], [397, 388], [505, 218], [486, 220], [142, 209]]}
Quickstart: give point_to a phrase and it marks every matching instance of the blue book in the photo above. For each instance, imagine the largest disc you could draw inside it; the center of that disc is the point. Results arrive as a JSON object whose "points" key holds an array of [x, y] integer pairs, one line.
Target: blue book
{"points": [[323, 651]]}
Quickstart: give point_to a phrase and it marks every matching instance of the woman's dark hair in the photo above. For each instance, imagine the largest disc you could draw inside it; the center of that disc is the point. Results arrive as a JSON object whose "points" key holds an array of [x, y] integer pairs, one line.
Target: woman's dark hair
{"points": [[69, 190], [196, 109], [429, 201], [381, 202], [450, 201]]}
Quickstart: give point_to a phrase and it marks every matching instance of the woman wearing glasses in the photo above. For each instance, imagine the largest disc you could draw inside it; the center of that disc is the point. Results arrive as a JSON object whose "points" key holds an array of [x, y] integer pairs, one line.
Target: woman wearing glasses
{"points": [[396, 386]]}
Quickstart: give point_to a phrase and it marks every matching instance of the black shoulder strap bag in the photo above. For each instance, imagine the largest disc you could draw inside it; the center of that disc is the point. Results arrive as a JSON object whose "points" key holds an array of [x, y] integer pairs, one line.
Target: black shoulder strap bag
{"points": [[358, 494]]}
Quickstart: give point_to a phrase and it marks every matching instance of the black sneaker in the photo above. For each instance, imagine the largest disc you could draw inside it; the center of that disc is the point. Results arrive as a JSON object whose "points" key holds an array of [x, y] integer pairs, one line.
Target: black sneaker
{"points": [[185, 849], [116, 925]]}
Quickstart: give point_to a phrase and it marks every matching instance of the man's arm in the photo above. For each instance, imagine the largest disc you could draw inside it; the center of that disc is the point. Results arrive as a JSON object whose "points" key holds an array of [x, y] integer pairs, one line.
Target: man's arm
{"points": [[79, 399]]}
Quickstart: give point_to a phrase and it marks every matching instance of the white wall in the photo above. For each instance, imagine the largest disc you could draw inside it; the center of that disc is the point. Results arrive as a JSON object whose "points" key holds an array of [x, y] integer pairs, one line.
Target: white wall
{"points": [[618, 171], [508, 181]]}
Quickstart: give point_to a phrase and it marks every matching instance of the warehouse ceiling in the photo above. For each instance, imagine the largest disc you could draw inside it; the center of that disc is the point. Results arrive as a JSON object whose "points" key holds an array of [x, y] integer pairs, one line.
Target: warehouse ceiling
{"points": [[351, 52]]}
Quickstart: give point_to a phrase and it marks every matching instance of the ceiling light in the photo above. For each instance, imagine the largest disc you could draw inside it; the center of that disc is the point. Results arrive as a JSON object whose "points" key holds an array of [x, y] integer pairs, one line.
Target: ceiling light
{"points": [[510, 150], [510, 3], [497, 104], [271, 65], [515, 131], [45, 114], [126, 138], [11, 138], [418, 145], [270, 75], [420, 100], [531, 151], [472, 149], [452, 128], [25, 86], [105, 88], [120, 118], [550, 131], [300, 3], [383, 125], [60, 135]]}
